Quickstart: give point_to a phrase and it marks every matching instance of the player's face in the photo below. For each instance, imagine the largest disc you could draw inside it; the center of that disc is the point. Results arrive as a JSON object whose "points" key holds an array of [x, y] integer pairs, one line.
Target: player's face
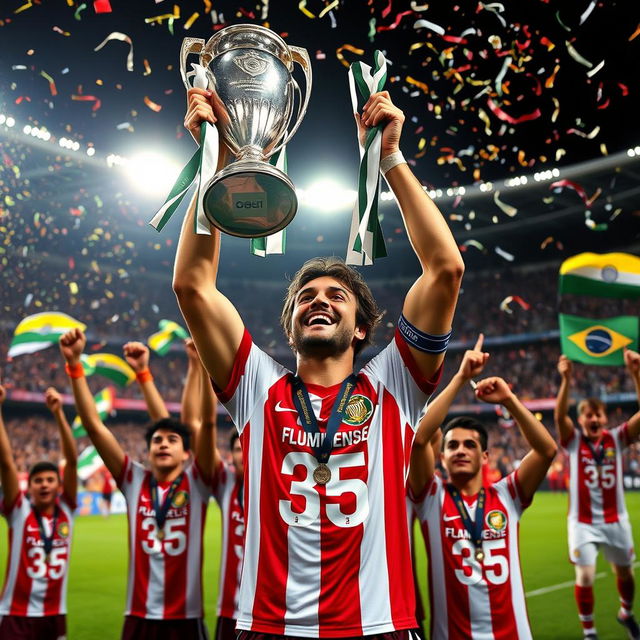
{"points": [[44, 488], [592, 422], [166, 450], [236, 456], [324, 319], [462, 454]]}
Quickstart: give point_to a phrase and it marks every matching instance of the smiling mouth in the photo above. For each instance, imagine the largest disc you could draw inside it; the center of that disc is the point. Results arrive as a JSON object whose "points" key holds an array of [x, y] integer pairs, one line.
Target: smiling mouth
{"points": [[319, 319]]}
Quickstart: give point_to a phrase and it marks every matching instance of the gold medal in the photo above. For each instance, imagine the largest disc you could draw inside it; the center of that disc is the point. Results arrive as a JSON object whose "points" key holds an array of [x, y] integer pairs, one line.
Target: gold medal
{"points": [[479, 554], [322, 474], [160, 534]]}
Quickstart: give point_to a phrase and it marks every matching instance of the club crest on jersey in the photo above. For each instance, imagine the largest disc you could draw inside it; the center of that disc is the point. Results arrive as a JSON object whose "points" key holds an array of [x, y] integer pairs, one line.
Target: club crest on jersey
{"points": [[496, 520], [180, 499], [358, 410], [63, 530], [610, 453]]}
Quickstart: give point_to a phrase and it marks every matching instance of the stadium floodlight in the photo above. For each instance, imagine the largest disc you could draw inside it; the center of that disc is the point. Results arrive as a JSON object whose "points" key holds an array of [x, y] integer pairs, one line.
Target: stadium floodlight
{"points": [[3, 118], [151, 172], [327, 195], [631, 153], [26, 129], [10, 122], [91, 151]]}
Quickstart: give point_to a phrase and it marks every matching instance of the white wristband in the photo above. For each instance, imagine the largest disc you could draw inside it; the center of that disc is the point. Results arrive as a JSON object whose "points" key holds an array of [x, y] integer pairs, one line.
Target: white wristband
{"points": [[391, 161]]}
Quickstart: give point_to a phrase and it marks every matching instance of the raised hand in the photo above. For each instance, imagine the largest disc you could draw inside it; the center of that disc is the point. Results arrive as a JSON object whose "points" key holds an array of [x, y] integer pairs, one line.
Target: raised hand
{"points": [[72, 345], [493, 391], [565, 367], [53, 399], [632, 361], [473, 360], [380, 110], [199, 110], [137, 355], [192, 352]]}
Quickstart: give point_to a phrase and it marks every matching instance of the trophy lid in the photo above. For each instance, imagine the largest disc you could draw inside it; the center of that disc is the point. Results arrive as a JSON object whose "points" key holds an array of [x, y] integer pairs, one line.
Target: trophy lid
{"points": [[250, 36]]}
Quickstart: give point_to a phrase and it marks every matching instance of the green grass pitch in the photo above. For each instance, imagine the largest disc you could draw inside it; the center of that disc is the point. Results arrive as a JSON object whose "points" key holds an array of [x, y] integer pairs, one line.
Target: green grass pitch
{"points": [[99, 560]]}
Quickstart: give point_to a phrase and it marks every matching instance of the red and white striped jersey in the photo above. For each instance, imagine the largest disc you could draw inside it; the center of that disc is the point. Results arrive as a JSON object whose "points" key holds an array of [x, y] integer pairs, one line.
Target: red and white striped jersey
{"points": [[36, 586], [165, 575], [327, 560], [596, 492], [472, 600], [226, 489]]}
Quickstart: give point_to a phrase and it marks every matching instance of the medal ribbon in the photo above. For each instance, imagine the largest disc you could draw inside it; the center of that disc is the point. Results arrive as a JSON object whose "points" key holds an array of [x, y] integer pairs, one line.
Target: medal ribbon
{"points": [[598, 455], [474, 528], [308, 417], [162, 509], [366, 241], [47, 540]]}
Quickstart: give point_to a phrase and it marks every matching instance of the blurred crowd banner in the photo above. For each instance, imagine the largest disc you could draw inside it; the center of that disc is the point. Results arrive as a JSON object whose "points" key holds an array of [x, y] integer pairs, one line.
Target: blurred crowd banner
{"points": [[90, 503]]}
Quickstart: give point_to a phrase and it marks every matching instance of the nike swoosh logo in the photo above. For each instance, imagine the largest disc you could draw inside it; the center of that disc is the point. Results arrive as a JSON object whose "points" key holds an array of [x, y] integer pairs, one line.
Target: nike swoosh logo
{"points": [[449, 518], [144, 499], [280, 408]]}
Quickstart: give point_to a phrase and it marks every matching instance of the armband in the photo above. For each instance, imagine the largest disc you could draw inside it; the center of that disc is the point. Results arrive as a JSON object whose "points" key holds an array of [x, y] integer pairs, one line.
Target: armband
{"points": [[387, 163], [421, 341], [144, 376], [75, 370]]}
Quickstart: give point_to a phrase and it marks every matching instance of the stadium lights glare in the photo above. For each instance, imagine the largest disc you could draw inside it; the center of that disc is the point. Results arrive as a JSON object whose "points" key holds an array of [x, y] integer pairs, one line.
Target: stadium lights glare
{"points": [[327, 195], [150, 173], [10, 122], [91, 151]]}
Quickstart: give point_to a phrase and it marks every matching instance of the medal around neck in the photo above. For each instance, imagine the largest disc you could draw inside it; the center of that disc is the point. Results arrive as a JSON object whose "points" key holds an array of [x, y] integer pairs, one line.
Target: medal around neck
{"points": [[250, 70], [322, 474]]}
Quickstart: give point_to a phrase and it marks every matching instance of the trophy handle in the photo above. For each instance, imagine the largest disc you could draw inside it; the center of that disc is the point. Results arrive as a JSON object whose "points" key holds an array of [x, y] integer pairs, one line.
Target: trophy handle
{"points": [[190, 45], [301, 56]]}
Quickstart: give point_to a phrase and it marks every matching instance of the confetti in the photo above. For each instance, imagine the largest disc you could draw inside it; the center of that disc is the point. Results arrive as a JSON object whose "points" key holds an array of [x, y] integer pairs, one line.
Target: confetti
{"points": [[61, 32], [576, 56], [191, 20], [122, 37], [147, 67], [472, 243], [24, 7], [348, 47], [80, 8], [425, 24], [587, 11], [504, 305], [102, 6], [52, 84], [302, 5], [333, 5], [582, 134], [631, 37], [498, 112], [506, 208], [595, 70], [394, 24], [504, 254], [496, 8], [151, 104], [96, 101]]}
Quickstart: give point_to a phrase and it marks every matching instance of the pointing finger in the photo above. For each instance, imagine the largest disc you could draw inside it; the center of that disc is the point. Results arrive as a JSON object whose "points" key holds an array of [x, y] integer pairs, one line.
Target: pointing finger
{"points": [[479, 343]]}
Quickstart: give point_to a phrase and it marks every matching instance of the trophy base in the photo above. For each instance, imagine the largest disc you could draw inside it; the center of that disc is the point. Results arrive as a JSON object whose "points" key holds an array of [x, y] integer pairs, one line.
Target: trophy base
{"points": [[250, 199]]}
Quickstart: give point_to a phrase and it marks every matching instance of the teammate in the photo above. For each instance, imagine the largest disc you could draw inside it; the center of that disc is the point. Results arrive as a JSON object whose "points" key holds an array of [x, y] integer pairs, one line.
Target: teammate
{"points": [[471, 528], [598, 515], [137, 355], [326, 541], [33, 605], [166, 507]]}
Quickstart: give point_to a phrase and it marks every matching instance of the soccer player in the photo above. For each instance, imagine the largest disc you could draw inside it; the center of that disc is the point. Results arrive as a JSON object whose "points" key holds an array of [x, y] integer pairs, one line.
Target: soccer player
{"points": [[33, 605], [166, 507], [137, 355], [326, 451], [471, 528], [598, 517]]}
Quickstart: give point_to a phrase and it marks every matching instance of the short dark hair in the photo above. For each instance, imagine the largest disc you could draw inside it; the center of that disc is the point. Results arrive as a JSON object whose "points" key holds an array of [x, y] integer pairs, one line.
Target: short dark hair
{"points": [[40, 467], [169, 424], [467, 422], [368, 315], [594, 404], [232, 440]]}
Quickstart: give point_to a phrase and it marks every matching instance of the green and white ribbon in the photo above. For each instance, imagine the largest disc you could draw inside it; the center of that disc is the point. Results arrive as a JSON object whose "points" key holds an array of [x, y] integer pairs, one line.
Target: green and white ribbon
{"points": [[201, 168], [277, 242], [366, 242]]}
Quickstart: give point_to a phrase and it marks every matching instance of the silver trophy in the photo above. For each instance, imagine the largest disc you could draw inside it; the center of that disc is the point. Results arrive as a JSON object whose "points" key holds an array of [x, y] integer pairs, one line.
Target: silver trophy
{"points": [[249, 68]]}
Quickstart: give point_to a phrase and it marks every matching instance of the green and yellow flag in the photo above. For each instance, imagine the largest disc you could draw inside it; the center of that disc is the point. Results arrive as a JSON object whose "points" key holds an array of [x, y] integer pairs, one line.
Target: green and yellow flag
{"points": [[40, 331], [599, 342], [608, 275], [104, 405], [110, 366], [162, 340]]}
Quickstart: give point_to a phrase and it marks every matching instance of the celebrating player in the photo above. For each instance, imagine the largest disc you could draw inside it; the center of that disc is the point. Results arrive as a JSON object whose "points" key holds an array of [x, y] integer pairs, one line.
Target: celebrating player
{"points": [[598, 515], [34, 598], [471, 529], [325, 450], [137, 355], [166, 507]]}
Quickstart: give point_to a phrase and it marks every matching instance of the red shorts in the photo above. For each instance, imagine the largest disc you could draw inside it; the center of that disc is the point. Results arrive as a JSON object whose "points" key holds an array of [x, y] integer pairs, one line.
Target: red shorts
{"points": [[33, 628], [226, 628], [393, 635], [145, 629]]}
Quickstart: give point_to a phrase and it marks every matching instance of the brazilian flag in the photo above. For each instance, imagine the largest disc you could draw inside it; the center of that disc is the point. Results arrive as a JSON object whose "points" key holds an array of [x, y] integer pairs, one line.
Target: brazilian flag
{"points": [[598, 342]]}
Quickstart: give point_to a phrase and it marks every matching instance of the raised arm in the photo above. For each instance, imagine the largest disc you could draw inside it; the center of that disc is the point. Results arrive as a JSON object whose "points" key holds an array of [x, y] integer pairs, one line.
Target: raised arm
{"points": [[535, 464], [71, 346], [431, 301], [564, 424], [422, 458], [67, 444], [214, 323], [8, 470], [632, 362], [137, 355], [207, 454], [191, 406]]}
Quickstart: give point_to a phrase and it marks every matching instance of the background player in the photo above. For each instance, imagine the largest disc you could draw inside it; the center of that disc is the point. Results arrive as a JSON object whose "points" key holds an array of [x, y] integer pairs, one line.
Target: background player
{"points": [[34, 599], [598, 515], [166, 507], [471, 529]]}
